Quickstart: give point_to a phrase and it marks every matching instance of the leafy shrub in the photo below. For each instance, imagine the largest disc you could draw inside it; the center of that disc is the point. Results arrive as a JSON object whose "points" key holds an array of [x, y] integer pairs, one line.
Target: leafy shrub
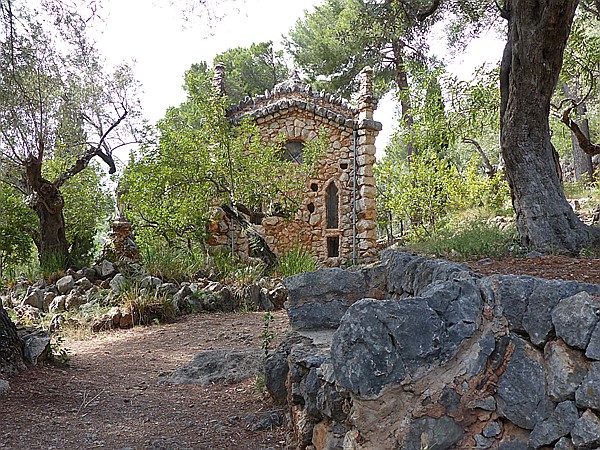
{"points": [[469, 238], [171, 262], [296, 261], [147, 306]]}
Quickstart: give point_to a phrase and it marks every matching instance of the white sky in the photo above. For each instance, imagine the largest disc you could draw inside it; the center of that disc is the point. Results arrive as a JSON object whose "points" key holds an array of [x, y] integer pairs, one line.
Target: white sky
{"points": [[153, 35]]}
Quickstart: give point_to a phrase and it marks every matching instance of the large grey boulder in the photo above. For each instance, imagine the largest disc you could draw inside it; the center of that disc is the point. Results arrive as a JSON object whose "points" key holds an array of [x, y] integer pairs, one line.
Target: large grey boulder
{"points": [[409, 275], [65, 284], [565, 370], [510, 294], [381, 342], [575, 318], [319, 299], [521, 392], [588, 394], [546, 295]]}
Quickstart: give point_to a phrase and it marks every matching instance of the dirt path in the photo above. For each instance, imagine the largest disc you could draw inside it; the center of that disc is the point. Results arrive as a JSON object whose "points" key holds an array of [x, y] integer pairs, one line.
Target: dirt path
{"points": [[110, 396]]}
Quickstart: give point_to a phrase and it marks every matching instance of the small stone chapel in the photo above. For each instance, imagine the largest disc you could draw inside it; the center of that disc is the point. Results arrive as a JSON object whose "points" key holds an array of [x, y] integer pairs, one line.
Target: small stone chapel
{"points": [[336, 221]]}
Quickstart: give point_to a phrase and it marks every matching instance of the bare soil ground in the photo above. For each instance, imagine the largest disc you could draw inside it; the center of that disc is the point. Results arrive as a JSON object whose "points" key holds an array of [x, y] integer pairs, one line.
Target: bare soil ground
{"points": [[111, 397]]}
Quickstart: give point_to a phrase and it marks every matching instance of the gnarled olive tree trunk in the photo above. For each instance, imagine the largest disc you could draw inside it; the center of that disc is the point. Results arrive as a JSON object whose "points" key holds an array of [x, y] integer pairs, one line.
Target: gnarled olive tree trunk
{"points": [[532, 60], [48, 204]]}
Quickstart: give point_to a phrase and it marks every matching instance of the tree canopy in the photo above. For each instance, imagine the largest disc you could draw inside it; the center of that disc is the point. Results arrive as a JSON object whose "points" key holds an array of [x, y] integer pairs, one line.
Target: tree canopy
{"points": [[56, 104]]}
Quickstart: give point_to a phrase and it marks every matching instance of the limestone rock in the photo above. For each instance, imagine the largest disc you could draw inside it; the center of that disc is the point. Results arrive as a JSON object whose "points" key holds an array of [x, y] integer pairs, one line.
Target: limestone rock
{"points": [[150, 282], [565, 369], [167, 289], [219, 366], [564, 444], [118, 283], [276, 370], [49, 297], [546, 294], [74, 300], [105, 270], [586, 432], [65, 284], [521, 389], [36, 346], [511, 293], [35, 298], [58, 304], [381, 342], [575, 319], [319, 299], [588, 394], [558, 425], [432, 433], [83, 283]]}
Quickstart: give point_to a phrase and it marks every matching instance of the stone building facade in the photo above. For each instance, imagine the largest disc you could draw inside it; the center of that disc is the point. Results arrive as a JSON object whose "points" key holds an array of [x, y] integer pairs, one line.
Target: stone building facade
{"points": [[336, 221]]}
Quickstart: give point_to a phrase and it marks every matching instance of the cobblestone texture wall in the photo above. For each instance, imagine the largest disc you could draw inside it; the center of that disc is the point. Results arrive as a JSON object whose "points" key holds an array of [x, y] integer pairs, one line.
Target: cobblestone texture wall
{"points": [[298, 113], [418, 353]]}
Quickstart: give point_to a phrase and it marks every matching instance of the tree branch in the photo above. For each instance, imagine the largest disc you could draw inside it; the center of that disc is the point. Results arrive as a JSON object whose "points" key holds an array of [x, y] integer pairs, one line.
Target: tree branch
{"points": [[490, 170], [96, 150]]}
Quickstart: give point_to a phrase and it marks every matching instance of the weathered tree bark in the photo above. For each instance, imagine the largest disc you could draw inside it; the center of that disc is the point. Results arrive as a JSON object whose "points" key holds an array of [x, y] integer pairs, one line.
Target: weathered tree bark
{"points": [[531, 63], [48, 204], [11, 347], [582, 162]]}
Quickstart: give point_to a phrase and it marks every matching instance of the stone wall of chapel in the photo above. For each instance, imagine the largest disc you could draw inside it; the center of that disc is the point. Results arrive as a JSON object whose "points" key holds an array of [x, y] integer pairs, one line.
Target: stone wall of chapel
{"points": [[299, 114]]}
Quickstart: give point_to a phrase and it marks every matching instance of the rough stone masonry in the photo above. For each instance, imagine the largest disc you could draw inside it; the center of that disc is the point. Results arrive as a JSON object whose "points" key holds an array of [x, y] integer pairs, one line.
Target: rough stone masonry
{"points": [[343, 184], [416, 354]]}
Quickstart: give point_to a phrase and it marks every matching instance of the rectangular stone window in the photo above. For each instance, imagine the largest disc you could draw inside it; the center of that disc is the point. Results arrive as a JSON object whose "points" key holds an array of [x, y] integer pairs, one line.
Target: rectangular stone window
{"points": [[333, 247]]}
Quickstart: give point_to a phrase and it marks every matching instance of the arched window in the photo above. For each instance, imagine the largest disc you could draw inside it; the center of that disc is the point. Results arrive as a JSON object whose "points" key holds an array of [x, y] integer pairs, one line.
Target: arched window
{"points": [[294, 152], [332, 206]]}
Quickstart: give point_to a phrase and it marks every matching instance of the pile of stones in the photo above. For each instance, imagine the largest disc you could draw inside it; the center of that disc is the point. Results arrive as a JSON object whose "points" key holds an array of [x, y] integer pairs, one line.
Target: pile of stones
{"points": [[94, 294]]}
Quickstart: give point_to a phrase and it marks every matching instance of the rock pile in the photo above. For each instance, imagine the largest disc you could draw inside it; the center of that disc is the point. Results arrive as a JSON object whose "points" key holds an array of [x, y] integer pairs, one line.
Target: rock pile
{"points": [[419, 353], [97, 293]]}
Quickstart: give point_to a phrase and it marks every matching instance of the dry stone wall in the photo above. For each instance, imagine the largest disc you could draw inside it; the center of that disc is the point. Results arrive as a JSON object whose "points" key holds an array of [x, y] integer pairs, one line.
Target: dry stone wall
{"points": [[418, 353], [298, 114]]}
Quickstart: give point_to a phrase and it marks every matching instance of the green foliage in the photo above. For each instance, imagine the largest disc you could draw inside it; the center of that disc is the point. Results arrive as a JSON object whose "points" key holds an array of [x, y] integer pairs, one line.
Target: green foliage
{"points": [[58, 110], [251, 71], [202, 160], [88, 206], [59, 353], [16, 221], [425, 191], [172, 262], [147, 306], [267, 335], [336, 40], [295, 261], [469, 237]]}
